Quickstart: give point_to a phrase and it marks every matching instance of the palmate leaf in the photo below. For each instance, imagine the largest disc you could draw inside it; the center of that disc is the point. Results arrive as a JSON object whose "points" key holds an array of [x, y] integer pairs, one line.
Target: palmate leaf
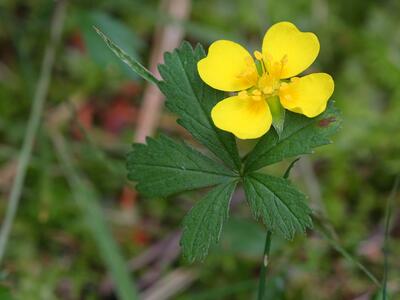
{"points": [[300, 135], [192, 100], [280, 205], [164, 167], [202, 226]]}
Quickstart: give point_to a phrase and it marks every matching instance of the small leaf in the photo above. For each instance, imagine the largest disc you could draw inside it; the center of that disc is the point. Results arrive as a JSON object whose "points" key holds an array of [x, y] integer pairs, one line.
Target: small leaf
{"points": [[136, 66], [300, 135], [164, 167], [281, 206], [202, 226], [192, 100]]}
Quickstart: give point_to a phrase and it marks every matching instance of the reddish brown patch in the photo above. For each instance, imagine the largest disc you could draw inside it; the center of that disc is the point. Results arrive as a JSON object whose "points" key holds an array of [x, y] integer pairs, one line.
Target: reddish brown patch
{"points": [[119, 114], [326, 122], [85, 116], [76, 41], [128, 198], [140, 237]]}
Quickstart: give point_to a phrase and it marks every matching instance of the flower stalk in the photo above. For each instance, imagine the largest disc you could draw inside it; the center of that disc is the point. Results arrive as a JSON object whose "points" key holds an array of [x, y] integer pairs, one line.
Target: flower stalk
{"points": [[263, 271]]}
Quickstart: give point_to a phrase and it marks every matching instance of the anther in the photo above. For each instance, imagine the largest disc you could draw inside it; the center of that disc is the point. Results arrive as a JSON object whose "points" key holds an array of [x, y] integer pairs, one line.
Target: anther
{"points": [[268, 90], [242, 94], [257, 98], [258, 55], [284, 86]]}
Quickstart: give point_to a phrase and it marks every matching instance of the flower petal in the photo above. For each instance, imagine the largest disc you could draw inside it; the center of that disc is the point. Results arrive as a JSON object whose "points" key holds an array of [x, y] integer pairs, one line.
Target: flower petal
{"points": [[307, 95], [228, 67], [284, 42], [243, 116]]}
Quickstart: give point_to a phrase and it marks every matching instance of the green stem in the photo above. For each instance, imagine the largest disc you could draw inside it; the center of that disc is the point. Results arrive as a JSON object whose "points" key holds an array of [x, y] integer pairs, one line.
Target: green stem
{"points": [[263, 271], [33, 124]]}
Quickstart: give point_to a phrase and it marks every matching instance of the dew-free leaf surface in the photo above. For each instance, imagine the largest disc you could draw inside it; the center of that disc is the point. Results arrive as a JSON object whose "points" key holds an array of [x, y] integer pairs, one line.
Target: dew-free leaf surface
{"points": [[202, 226], [163, 167], [281, 207]]}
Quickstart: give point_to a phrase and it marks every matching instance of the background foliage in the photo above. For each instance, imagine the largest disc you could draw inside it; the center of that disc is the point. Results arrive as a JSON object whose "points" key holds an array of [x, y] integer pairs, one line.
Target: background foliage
{"points": [[51, 255]]}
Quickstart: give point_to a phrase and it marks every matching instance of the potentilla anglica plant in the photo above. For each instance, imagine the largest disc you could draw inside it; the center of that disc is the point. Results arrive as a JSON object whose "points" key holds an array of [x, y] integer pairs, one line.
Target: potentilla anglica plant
{"points": [[266, 92]]}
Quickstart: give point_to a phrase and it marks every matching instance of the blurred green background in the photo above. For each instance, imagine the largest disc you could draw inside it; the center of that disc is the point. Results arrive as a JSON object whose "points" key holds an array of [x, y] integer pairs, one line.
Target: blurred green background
{"points": [[95, 99]]}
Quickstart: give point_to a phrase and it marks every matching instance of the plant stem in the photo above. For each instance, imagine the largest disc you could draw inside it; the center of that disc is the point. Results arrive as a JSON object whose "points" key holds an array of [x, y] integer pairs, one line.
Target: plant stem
{"points": [[263, 271], [33, 123]]}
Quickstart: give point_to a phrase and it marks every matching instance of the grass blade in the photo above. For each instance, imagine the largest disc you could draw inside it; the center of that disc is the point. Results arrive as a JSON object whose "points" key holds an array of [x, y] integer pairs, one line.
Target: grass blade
{"points": [[33, 123], [339, 248], [388, 213], [86, 199]]}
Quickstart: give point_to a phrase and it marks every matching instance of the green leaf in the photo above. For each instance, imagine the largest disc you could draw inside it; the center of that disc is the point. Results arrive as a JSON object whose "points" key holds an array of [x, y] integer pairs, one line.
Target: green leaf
{"points": [[202, 226], [136, 66], [281, 206], [192, 100], [300, 135], [164, 167]]}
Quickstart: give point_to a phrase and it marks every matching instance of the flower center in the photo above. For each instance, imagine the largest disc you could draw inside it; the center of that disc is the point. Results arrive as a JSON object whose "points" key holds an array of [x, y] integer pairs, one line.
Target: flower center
{"points": [[268, 81]]}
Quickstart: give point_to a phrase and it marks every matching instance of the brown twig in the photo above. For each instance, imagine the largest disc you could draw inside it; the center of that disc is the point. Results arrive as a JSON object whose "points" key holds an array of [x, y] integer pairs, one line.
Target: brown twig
{"points": [[170, 285], [166, 38]]}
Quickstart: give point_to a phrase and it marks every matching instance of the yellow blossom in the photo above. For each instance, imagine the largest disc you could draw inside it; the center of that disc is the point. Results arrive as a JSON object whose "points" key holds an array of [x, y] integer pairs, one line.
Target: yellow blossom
{"points": [[286, 52]]}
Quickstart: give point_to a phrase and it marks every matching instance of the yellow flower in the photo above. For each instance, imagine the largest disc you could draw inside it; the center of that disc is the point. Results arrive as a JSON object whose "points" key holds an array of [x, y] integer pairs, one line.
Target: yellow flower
{"points": [[286, 52]]}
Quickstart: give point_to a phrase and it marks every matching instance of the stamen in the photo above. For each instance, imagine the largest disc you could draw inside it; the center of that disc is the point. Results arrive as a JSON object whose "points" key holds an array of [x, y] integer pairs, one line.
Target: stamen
{"points": [[268, 62], [248, 75], [284, 60], [242, 94], [268, 90], [257, 98], [284, 86], [258, 55]]}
